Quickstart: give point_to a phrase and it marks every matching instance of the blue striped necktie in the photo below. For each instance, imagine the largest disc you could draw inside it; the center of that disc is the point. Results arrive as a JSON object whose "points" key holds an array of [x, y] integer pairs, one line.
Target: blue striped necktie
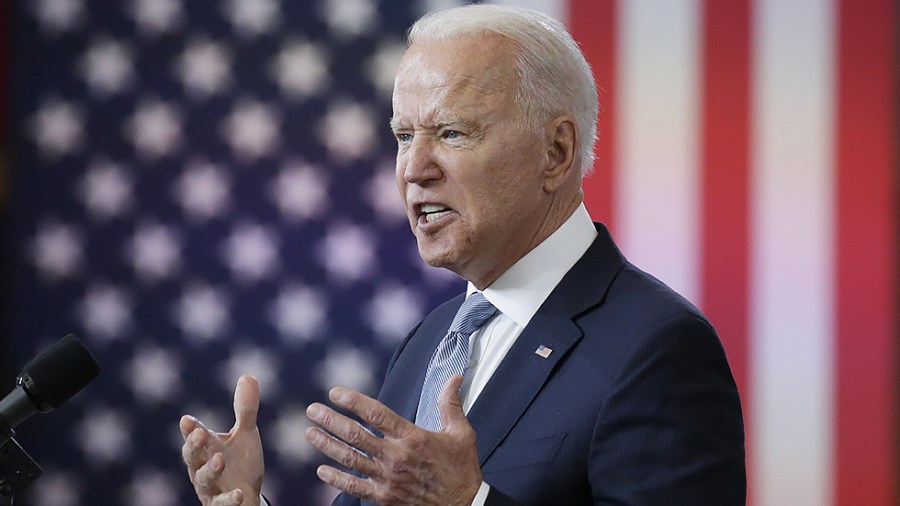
{"points": [[451, 357]]}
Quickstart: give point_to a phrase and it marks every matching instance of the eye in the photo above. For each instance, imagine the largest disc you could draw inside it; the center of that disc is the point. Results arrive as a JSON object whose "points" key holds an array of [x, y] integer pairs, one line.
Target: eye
{"points": [[452, 134], [403, 137]]}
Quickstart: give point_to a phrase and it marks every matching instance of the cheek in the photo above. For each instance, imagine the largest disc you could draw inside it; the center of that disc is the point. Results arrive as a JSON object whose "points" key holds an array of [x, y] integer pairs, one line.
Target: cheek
{"points": [[515, 178], [496, 182], [490, 200], [399, 180], [400, 183]]}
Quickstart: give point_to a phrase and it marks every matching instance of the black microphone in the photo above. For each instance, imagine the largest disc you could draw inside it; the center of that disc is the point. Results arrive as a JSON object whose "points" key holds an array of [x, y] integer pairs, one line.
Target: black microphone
{"points": [[48, 380]]}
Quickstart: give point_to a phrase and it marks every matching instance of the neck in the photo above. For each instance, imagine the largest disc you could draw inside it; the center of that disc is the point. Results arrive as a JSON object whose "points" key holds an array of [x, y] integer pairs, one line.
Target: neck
{"points": [[557, 214]]}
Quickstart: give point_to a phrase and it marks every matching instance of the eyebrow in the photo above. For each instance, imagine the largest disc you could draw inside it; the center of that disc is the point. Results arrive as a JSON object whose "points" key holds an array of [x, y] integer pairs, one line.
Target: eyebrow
{"points": [[396, 124], [446, 121], [455, 120]]}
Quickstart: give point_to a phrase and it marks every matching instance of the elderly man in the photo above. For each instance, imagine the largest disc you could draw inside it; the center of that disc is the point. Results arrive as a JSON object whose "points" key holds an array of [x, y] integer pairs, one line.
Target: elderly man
{"points": [[565, 375]]}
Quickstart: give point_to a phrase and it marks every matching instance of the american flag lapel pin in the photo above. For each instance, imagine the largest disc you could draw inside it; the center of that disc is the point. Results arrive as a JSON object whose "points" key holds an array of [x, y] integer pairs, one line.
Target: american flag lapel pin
{"points": [[543, 351]]}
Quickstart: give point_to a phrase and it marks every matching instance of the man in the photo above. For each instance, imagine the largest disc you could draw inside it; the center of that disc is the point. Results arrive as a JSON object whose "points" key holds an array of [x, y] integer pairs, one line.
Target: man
{"points": [[582, 379]]}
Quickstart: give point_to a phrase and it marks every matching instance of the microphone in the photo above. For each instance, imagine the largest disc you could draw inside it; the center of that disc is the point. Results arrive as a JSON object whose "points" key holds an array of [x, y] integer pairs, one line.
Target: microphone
{"points": [[47, 381]]}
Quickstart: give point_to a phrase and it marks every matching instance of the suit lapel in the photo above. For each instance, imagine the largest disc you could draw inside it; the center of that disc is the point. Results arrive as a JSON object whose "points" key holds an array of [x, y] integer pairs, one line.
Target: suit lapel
{"points": [[519, 378], [522, 373]]}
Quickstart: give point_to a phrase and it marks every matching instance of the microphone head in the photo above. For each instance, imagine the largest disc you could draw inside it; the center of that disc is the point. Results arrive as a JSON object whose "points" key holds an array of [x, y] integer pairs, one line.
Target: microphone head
{"points": [[57, 374]]}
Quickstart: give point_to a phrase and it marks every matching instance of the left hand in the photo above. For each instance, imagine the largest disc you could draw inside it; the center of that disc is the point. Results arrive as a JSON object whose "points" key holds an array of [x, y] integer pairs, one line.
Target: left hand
{"points": [[410, 465]]}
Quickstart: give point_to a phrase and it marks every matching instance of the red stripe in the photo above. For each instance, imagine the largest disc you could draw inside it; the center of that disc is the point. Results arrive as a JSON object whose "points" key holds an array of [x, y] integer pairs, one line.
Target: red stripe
{"points": [[725, 180], [593, 24], [725, 138], [866, 224]]}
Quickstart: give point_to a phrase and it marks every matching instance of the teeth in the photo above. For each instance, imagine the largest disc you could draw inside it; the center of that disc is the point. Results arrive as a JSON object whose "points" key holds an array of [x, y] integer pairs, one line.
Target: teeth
{"points": [[432, 208], [429, 217], [432, 212]]}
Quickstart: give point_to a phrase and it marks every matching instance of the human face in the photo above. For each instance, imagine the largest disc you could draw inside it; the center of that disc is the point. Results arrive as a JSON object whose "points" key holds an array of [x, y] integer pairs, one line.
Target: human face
{"points": [[468, 169]]}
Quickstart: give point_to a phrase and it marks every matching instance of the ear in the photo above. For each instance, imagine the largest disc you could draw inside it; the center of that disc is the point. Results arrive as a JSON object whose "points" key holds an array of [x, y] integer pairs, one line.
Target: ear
{"points": [[562, 138]]}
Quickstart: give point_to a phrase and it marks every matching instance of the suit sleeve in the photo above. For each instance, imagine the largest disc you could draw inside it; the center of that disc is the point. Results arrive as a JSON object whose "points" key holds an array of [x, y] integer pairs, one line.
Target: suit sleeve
{"points": [[345, 499], [671, 432]]}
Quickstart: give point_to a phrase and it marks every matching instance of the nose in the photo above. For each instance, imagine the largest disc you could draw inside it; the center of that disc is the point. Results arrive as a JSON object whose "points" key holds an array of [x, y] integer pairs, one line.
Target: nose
{"points": [[418, 163]]}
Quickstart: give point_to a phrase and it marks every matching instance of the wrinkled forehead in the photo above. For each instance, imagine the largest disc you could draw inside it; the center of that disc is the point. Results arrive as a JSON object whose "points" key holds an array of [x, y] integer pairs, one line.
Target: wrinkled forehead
{"points": [[464, 67]]}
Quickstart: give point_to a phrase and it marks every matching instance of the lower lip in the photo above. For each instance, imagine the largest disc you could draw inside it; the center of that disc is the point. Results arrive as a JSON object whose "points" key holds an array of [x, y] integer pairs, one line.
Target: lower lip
{"points": [[430, 226]]}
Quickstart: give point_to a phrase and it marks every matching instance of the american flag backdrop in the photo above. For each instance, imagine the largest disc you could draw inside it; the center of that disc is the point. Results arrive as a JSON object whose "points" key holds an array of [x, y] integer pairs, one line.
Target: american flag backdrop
{"points": [[205, 189]]}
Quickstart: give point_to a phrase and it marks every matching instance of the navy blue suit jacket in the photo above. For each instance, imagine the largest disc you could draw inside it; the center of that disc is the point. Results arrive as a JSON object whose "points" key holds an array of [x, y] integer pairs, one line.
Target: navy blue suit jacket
{"points": [[635, 405]]}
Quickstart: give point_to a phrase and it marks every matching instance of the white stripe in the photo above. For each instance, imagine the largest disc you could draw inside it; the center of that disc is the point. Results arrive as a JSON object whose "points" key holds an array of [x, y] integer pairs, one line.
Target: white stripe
{"points": [[657, 111], [791, 322], [553, 8]]}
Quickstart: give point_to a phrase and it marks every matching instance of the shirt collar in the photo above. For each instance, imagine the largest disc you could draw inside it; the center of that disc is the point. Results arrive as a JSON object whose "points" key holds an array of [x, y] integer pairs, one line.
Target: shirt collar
{"points": [[519, 292]]}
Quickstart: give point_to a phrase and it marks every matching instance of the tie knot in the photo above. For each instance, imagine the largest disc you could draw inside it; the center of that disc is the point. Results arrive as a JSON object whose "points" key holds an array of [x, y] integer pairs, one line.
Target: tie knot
{"points": [[472, 314]]}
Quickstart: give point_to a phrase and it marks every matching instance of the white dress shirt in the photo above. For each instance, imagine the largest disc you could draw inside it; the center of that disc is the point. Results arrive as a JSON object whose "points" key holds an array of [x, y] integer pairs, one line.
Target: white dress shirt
{"points": [[518, 294]]}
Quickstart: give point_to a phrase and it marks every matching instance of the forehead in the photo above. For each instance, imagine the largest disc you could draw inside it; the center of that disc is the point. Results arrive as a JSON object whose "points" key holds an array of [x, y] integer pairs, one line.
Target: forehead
{"points": [[472, 72]]}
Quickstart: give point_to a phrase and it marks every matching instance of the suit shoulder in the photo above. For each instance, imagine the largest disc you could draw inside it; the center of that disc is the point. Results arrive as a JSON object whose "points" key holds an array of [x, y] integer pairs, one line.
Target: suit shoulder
{"points": [[640, 313], [648, 299]]}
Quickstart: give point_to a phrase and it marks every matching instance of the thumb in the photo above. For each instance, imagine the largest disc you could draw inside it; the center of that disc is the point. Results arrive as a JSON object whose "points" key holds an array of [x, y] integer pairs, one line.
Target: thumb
{"points": [[246, 403], [449, 404]]}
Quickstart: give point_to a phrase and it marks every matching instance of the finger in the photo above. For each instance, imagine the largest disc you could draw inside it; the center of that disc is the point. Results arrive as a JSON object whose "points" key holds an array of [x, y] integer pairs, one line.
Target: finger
{"points": [[207, 475], [232, 498], [187, 424], [449, 404], [346, 429], [353, 485], [194, 450], [246, 403], [341, 452], [190, 460], [373, 412]]}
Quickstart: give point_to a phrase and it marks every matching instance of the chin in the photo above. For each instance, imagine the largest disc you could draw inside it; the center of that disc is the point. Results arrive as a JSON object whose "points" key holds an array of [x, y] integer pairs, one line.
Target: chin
{"points": [[442, 259], [434, 260]]}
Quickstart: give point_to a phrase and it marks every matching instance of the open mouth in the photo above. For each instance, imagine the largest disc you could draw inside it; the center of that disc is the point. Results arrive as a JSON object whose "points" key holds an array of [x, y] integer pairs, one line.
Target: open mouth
{"points": [[433, 212]]}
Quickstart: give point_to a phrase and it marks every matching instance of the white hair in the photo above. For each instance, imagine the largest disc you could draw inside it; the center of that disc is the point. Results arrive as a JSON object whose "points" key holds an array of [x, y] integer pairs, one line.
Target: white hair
{"points": [[554, 77]]}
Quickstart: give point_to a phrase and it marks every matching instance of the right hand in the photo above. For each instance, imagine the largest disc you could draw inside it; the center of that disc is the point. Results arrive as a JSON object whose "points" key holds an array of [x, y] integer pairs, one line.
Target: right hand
{"points": [[226, 469]]}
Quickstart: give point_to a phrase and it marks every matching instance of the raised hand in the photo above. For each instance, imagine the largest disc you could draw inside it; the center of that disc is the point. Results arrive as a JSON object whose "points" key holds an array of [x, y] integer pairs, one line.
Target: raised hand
{"points": [[226, 469], [410, 465]]}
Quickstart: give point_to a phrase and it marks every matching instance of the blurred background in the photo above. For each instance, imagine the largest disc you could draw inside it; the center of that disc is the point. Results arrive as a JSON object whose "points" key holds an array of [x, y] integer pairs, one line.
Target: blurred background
{"points": [[205, 189]]}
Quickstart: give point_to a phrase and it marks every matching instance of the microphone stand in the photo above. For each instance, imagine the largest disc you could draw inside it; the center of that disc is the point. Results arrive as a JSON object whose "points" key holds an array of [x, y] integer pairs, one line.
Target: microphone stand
{"points": [[17, 469]]}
